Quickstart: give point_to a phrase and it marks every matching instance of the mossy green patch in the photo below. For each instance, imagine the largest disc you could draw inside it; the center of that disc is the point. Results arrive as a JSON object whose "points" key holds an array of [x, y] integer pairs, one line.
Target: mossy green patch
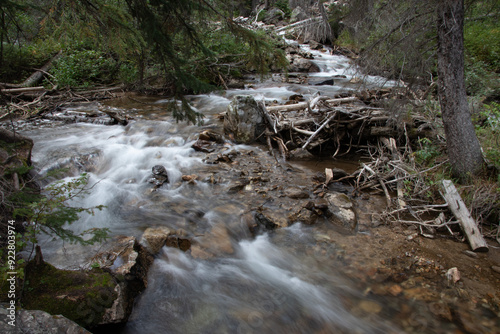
{"points": [[77, 295]]}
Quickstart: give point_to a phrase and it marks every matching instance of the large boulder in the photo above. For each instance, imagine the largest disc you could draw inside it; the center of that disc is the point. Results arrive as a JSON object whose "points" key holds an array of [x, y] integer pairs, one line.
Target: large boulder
{"points": [[298, 14], [299, 64], [38, 322], [82, 296], [273, 16], [244, 119], [101, 296]]}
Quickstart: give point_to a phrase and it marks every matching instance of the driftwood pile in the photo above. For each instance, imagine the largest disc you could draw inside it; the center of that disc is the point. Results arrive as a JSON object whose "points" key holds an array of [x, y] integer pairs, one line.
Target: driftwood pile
{"points": [[24, 102], [336, 125], [344, 123]]}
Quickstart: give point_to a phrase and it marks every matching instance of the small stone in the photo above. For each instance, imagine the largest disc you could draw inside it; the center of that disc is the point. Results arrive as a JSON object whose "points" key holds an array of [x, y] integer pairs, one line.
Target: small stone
{"points": [[159, 170], [453, 275], [495, 269], [304, 216], [471, 254], [176, 242], [189, 178], [370, 307], [412, 236], [296, 193], [395, 290]]}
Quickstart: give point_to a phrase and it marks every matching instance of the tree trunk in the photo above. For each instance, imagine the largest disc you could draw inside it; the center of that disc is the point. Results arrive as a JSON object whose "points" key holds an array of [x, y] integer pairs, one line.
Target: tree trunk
{"points": [[463, 146]]}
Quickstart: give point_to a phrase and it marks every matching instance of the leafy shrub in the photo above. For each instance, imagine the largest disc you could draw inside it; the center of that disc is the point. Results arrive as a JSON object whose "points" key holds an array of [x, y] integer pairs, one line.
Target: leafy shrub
{"points": [[17, 63], [488, 132], [427, 152], [49, 213], [482, 41], [479, 80], [81, 68]]}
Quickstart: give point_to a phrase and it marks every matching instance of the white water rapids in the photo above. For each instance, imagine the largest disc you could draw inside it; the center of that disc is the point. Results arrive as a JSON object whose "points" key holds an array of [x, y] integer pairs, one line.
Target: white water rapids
{"points": [[273, 283]]}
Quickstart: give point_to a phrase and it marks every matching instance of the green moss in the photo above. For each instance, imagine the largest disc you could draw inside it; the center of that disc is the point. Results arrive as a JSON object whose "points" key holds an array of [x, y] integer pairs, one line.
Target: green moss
{"points": [[77, 295]]}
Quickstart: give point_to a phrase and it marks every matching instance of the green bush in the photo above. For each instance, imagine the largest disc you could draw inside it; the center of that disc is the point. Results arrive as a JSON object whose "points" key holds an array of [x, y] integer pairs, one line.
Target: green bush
{"points": [[482, 41], [488, 132], [427, 152], [479, 79], [18, 63], [82, 68]]}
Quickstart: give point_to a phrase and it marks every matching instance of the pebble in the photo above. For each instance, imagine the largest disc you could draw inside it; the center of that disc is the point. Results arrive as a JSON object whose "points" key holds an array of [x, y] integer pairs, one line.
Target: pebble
{"points": [[471, 254], [412, 236], [495, 269], [453, 275], [370, 306], [395, 290]]}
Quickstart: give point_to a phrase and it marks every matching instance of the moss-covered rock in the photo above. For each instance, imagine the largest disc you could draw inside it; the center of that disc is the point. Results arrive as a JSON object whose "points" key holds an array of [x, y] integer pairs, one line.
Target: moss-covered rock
{"points": [[80, 296]]}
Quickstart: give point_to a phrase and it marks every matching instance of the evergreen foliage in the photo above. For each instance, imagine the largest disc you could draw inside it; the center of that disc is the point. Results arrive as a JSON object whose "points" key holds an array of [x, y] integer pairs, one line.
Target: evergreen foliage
{"points": [[50, 212], [181, 46]]}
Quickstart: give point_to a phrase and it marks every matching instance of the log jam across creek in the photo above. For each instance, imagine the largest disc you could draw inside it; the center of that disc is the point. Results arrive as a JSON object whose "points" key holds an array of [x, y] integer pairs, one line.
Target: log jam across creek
{"points": [[253, 243]]}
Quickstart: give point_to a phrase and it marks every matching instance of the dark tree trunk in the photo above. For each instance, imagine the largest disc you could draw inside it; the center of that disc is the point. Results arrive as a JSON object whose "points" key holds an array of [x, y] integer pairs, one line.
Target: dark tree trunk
{"points": [[463, 146]]}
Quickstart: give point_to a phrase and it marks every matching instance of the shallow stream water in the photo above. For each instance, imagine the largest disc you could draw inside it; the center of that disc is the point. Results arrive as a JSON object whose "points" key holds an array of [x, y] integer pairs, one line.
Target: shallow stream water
{"points": [[276, 282]]}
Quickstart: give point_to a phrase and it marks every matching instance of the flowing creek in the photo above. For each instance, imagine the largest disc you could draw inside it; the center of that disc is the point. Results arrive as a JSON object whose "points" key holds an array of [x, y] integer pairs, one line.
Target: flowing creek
{"points": [[281, 281]]}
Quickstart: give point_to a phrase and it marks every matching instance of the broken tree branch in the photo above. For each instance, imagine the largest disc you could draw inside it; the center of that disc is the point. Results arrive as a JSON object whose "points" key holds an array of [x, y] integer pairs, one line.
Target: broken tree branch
{"points": [[319, 130], [459, 209]]}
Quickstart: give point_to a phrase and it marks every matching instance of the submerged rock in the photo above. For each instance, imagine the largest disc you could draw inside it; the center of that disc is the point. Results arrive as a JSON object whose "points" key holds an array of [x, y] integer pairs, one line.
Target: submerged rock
{"points": [[159, 176], [217, 242], [154, 238]]}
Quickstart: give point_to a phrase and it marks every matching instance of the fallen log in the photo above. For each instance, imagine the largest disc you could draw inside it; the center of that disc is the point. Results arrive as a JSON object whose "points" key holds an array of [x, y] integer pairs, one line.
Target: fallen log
{"points": [[289, 107], [467, 223], [38, 75], [304, 105], [22, 90]]}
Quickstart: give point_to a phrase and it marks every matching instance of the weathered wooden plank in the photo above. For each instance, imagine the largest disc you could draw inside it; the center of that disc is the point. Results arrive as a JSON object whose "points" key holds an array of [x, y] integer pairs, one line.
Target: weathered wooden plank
{"points": [[459, 209]]}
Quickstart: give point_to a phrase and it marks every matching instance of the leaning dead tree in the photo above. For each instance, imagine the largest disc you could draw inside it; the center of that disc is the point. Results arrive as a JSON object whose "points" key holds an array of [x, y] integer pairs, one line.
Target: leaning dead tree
{"points": [[316, 28]]}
